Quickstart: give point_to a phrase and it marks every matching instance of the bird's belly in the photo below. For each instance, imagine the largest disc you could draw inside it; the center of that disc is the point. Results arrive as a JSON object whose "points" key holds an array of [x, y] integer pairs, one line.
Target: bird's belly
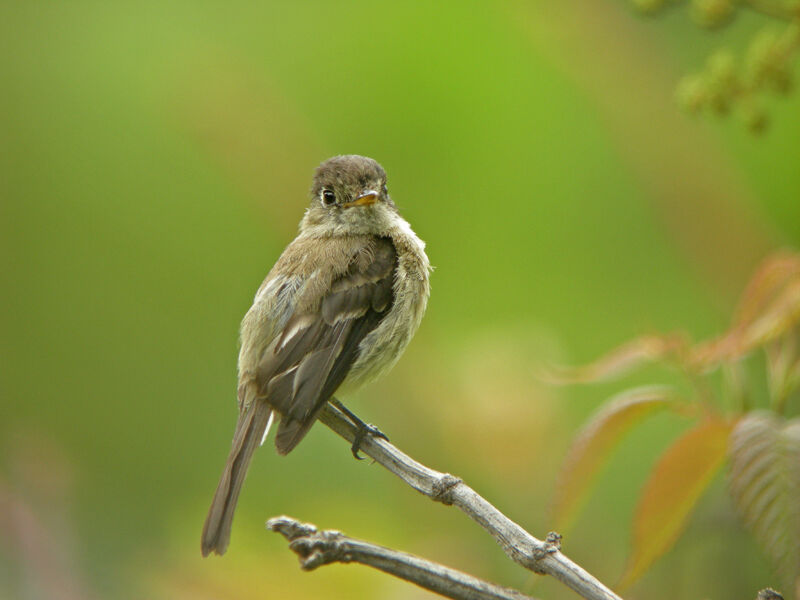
{"points": [[382, 347]]}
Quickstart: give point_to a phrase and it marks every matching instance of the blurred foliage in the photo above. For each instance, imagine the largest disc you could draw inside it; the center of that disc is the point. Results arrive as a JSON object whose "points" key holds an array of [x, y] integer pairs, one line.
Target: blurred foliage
{"points": [[765, 485], [768, 64], [764, 448], [154, 161]]}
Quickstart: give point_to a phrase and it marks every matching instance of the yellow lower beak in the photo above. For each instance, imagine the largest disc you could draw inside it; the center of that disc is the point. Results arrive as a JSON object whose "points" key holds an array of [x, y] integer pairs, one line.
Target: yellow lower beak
{"points": [[364, 199]]}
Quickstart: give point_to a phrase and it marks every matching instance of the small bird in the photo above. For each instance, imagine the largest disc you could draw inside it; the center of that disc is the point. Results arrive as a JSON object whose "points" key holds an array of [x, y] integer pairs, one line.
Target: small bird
{"points": [[336, 310]]}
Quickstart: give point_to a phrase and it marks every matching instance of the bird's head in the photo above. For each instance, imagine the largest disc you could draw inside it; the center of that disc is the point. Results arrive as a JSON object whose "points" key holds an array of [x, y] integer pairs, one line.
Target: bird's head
{"points": [[349, 196]]}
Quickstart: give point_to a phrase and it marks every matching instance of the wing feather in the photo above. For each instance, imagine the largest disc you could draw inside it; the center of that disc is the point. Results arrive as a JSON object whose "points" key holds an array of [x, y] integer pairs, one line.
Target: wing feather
{"points": [[316, 349]]}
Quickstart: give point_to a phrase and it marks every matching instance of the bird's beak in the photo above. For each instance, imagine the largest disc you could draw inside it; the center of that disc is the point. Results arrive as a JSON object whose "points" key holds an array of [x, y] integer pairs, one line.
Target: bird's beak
{"points": [[365, 199]]}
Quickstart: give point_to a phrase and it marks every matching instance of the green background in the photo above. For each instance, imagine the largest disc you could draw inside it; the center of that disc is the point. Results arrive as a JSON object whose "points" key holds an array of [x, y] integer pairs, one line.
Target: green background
{"points": [[155, 159]]}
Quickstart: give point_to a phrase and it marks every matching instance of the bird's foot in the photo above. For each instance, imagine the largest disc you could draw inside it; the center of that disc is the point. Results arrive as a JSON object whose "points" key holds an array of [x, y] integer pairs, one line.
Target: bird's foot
{"points": [[363, 430]]}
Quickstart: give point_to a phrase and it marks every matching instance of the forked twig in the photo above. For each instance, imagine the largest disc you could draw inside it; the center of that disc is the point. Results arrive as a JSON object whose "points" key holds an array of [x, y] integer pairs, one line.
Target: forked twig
{"points": [[544, 557], [316, 548]]}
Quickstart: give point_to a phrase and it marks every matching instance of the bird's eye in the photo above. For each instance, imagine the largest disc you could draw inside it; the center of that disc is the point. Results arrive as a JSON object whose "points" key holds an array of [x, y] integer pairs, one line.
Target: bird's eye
{"points": [[385, 189], [328, 198]]}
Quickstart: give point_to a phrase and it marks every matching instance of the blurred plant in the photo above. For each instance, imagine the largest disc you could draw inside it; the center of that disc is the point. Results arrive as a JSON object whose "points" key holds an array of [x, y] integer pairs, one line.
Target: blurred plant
{"points": [[760, 444], [39, 546], [727, 82]]}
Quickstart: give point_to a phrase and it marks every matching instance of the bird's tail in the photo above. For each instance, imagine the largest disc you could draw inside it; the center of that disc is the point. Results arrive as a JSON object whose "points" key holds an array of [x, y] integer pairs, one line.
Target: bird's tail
{"points": [[251, 428]]}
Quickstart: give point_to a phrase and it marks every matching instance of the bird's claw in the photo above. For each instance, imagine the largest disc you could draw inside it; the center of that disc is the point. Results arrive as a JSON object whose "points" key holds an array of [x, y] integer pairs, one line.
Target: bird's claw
{"points": [[364, 430]]}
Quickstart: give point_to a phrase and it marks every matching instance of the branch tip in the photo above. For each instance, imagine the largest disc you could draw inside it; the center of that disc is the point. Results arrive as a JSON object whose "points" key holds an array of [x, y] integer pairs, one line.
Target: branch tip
{"points": [[290, 528], [314, 548], [769, 594]]}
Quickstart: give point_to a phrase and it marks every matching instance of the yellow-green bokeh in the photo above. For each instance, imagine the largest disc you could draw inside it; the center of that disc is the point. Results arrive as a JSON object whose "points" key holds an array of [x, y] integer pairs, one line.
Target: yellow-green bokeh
{"points": [[155, 159]]}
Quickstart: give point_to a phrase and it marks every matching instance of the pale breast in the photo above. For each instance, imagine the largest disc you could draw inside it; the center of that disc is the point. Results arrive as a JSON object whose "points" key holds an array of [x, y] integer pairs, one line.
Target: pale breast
{"points": [[382, 347]]}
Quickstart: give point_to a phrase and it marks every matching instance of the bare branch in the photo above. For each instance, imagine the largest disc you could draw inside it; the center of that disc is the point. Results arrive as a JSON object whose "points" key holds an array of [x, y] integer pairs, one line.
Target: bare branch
{"points": [[536, 555], [768, 594], [315, 548]]}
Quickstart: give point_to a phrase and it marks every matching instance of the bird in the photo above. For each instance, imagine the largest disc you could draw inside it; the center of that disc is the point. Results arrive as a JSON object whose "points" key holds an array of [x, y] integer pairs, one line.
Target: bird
{"points": [[336, 310]]}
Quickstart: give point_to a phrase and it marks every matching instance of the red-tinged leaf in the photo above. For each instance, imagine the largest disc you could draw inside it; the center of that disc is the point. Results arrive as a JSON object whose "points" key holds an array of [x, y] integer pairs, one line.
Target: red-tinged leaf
{"points": [[708, 355], [621, 360], [595, 442], [780, 316], [676, 483], [765, 486], [775, 272]]}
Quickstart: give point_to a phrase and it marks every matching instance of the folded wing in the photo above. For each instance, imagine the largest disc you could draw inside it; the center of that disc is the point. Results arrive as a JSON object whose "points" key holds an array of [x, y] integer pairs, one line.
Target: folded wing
{"points": [[316, 349]]}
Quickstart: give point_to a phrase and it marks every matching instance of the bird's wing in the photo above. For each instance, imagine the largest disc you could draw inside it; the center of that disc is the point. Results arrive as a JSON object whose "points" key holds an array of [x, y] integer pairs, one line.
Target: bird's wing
{"points": [[317, 347]]}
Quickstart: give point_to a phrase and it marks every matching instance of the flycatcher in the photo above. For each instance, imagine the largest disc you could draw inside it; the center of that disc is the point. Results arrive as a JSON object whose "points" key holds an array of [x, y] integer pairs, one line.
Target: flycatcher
{"points": [[336, 310]]}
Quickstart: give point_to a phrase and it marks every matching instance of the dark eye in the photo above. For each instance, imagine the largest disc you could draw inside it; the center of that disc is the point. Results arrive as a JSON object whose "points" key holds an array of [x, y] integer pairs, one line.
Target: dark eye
{"points": [[384, 189], [328, 198]]}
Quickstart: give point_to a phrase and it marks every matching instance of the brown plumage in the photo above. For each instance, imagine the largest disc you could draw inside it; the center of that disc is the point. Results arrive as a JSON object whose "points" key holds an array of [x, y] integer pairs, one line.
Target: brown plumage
{"points": [[336, 310], [300, 375]]}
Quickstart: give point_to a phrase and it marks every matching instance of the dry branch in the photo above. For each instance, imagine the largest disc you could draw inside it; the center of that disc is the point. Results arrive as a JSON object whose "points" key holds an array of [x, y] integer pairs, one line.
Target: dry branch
{"points": [[539, 556], [315, 548]]}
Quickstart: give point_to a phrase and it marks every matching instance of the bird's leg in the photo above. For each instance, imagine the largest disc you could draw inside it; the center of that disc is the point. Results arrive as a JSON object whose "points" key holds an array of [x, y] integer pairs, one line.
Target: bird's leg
{"points": [[362, 429]]}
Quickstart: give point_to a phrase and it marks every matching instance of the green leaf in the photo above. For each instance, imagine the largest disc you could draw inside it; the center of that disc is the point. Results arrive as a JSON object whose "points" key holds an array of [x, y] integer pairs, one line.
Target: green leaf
{"points": [[595, 442], [765, 485], [675, 485]]}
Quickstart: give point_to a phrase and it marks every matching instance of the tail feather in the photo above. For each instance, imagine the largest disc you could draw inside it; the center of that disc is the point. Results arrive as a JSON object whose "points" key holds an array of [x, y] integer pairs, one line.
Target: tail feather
{"points": [[251, 428], [292, 431]]}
